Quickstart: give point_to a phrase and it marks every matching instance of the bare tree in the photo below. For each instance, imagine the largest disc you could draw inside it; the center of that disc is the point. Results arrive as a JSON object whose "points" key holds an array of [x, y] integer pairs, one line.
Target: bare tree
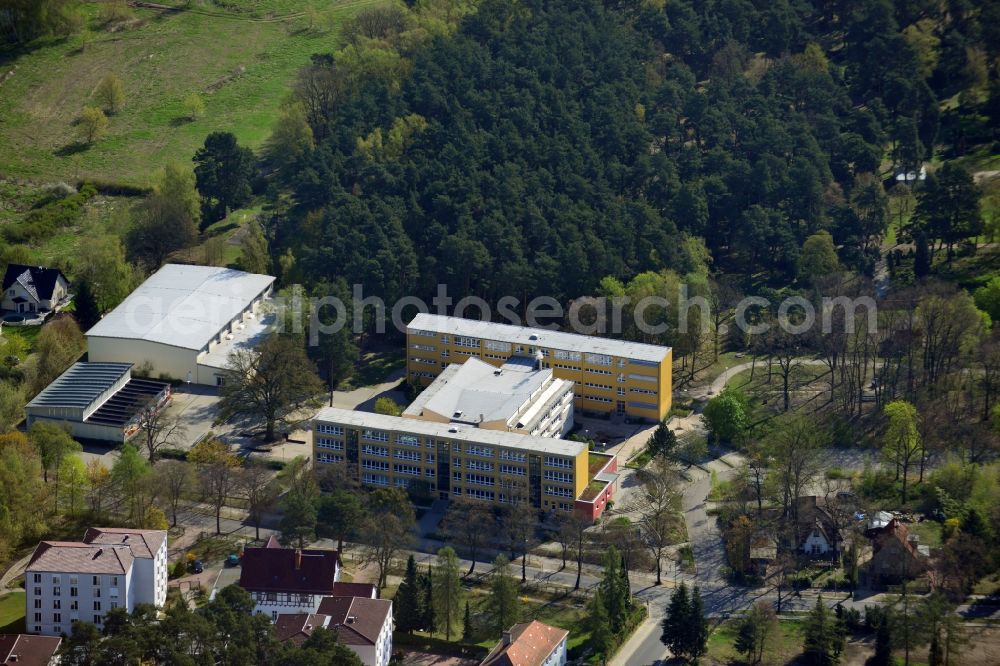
{"points": [[657, 505], [176, 479], [470, 524], [217, 468], [260, 488], [387, 535], [156, 427], [796, 448], [520, 522]]}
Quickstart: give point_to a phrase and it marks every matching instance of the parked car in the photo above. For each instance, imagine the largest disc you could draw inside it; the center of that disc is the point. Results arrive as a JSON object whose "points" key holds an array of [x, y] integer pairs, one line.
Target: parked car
{"points": [[232, 560], [197, 566]]}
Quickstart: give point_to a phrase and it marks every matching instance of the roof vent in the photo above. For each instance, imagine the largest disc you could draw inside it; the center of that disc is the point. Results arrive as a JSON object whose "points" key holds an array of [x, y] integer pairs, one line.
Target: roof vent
{"points": [[497, 372], [457, 414], [100, 551], [351, 619], [452, 429], [532, 337]]}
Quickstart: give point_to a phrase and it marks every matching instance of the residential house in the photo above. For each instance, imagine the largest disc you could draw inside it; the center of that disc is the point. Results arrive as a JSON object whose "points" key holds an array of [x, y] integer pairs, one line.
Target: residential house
{"points": [[896, 554], [816, 531], [25, 650], [82, 580], [363, 624], [149, 548], [33, 288], [288, 580], [529, 644]]}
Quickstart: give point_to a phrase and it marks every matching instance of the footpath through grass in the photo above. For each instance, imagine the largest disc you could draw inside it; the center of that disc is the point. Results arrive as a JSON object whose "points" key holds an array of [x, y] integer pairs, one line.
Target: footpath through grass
{"points": [[242, 66]]}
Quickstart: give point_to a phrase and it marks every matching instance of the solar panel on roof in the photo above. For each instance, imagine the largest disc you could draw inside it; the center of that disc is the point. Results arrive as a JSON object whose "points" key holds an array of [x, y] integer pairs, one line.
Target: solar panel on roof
{"points": [[80, 385]]}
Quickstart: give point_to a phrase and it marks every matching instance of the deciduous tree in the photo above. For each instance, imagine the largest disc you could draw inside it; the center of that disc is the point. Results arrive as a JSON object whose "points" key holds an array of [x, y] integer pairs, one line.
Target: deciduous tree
{"points": [[270, 385], [93, 124], [110, 93], [469, 524]]}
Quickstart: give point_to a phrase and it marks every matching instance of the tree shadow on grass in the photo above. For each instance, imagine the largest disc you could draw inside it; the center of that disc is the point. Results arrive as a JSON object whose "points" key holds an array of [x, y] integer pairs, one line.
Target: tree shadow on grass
{"points": [[71, 149], [180, 121]]}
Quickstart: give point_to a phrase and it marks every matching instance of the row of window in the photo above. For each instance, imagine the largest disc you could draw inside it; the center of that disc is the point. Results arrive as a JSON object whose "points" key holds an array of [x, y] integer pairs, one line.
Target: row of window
{"points": [[375, 435], [558, 491], [329, 458], [73, 580], [561, 477], [328, 443], [328, 429], [75, 591], [552, 461]]}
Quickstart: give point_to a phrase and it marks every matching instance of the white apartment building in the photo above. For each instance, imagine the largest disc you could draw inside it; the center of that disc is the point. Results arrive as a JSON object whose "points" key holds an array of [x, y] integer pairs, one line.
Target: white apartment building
{"points": [[66, 581]]}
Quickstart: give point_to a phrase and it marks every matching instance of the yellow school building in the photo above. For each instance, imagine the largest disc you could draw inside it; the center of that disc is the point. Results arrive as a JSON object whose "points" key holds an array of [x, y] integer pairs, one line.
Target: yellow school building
{"points": [[616, 377]]}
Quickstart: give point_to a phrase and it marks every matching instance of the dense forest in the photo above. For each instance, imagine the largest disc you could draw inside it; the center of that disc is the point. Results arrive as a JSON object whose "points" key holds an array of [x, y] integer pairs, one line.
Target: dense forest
{"points": [[540, 146]]}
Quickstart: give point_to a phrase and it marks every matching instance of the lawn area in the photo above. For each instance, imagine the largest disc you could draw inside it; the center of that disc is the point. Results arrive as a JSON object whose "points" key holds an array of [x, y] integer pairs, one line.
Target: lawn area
{"points": [[12, 613], [26, 334], [242, 67], [929, 532], [376, 367], [786, 646]]}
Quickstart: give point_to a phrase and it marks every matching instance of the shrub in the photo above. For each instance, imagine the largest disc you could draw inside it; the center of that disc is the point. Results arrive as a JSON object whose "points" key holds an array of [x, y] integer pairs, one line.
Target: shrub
{"points": [[42, 222], [194, 107], [93, 124], [110, 93]]}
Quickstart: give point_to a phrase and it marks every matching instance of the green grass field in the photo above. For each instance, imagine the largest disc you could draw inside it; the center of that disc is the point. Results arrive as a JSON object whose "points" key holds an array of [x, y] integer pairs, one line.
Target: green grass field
{"points": [[786, 645], [12, 613], [239, 55]]}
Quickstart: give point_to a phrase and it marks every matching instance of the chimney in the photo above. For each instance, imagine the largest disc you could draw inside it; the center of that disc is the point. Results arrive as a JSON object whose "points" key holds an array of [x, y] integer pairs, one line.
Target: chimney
{"points": [[507, 638], [298, 559]]}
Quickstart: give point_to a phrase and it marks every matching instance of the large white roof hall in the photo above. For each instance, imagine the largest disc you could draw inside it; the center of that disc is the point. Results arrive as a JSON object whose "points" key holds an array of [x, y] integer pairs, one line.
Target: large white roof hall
{"points": [[184, 321], [183, 306]]}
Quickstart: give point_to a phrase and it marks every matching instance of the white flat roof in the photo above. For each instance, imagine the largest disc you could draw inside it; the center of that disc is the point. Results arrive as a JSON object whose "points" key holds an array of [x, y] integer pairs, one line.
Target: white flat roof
{"points": [[474, 391], [253, 333], [182, 306], [465, 433], [538, 337]]}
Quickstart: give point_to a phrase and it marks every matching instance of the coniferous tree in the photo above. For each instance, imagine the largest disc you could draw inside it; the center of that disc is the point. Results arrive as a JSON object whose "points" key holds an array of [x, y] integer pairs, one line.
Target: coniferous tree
{"points": [[663, 442], [922, 257], [446, 591], [406, 607], [467, 631], [427, 599], [503, 604], [85, 307], [824, 639], [674, 623], [598, 622], [697, 627], [615, 590]]}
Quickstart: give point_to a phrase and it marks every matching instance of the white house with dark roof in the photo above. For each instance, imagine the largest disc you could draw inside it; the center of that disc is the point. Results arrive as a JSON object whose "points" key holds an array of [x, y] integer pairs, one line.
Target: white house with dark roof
{"points": [[184, 321], [33, 288], [362, 624], [82, 580]]}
